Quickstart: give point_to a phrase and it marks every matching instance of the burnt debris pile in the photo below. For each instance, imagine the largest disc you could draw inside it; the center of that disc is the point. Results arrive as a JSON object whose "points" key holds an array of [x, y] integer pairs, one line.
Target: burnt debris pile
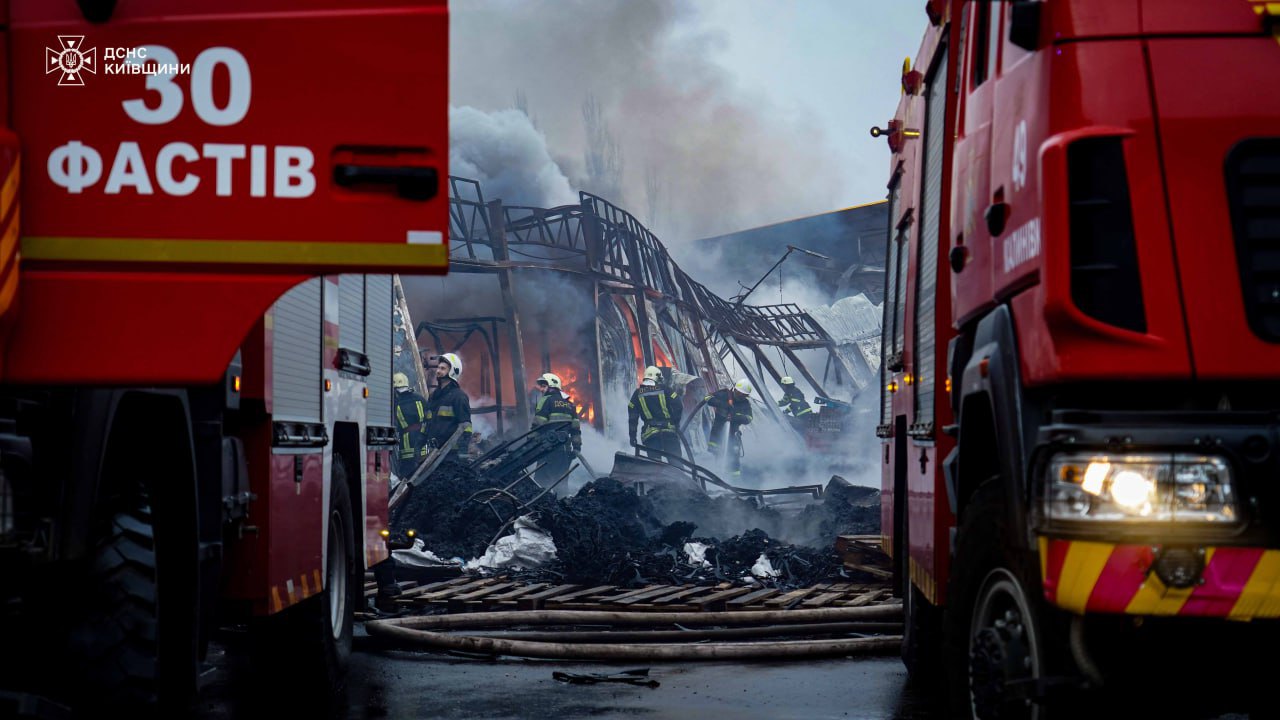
{"points": [[608, 534], [457, 512]]}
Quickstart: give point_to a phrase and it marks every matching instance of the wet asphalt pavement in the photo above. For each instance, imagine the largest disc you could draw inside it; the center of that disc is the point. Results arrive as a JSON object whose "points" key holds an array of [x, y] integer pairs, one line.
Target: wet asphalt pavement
{"points": [[400, 684]]}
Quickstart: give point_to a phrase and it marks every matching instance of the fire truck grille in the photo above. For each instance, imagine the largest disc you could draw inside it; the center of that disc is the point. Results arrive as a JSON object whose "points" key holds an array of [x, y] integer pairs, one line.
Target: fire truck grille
{"points": [[1253, 189]]}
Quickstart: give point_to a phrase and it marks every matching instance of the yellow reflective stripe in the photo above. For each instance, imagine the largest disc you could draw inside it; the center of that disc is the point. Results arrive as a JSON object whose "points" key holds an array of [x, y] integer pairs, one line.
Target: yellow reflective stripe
{"points": [[444, 412], [9, 190], [222, 252], [805, 411], [466, 427], [1080, 571], [421, 411], [1260, 596], [662, 400], [644, 408], [400, 416]]}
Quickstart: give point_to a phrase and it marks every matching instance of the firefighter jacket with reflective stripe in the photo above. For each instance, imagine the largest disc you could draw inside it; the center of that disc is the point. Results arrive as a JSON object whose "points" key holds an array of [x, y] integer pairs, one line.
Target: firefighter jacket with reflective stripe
{"points": [[794, 402], [554, 406], [729, 407], [660, 408], [411, 412], [447, 409]]}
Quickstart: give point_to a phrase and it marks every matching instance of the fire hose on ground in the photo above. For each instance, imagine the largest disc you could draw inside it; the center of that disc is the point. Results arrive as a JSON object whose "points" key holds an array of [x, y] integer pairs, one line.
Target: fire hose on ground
{"points": [[434, 632]]}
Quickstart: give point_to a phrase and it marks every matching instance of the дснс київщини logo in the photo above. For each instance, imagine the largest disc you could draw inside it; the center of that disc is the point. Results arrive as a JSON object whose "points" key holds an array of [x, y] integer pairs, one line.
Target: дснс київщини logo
{"points": [[72, 60]]}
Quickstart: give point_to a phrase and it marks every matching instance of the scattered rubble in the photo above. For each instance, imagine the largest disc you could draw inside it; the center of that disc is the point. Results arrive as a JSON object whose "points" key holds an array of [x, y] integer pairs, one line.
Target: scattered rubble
{"points": [[608, 534], [451, 519]]}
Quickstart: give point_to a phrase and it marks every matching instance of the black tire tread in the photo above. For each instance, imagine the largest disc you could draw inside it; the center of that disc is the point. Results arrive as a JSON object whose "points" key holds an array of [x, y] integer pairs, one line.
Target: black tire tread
{"points": [[118, 641]]}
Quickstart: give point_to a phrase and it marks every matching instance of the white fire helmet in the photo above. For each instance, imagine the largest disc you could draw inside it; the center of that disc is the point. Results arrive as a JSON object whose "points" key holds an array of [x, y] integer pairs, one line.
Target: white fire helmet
{"points": [[788, 380], [743, 386], [400, 381], [455, 365], [648, 382], [652, 373], [552, 380]]}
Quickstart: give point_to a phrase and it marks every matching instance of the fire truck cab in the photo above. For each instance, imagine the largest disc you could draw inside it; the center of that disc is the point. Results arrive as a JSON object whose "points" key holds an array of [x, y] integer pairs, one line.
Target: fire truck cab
{"points": [[201, 205], [1080, 410]]}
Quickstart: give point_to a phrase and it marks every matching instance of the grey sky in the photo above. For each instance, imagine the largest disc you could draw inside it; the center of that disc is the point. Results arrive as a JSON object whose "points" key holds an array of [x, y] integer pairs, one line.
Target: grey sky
{"points": [[840, 59], [727, 114]]}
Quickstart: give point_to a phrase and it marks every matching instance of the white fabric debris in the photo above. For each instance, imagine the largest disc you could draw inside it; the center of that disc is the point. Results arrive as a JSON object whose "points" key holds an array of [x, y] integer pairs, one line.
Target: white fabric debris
{"points": [[527, 547], [763, 568], [419, 556], [854, 324], [849, 320], [697, 553]]}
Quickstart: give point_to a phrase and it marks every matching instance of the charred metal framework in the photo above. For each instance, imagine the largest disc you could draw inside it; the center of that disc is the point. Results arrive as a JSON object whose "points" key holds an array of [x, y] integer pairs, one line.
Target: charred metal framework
{"points": [[648, 310]]}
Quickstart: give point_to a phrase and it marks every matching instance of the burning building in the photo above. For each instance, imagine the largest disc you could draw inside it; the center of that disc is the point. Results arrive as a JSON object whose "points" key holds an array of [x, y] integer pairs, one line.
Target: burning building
{"points": [[587, 292]]}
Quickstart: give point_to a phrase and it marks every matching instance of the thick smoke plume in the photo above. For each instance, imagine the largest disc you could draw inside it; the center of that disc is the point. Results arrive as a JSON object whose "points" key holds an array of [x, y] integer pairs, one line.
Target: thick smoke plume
{"points": [[508, 155], [696, 154]]}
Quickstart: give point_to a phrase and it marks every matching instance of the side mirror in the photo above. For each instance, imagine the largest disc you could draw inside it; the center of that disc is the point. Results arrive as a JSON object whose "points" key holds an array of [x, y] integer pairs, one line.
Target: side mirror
{"points": [[1024, 24]]}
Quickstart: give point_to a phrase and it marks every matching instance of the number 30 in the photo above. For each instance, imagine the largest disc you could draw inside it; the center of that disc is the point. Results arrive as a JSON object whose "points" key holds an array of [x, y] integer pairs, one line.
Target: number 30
{"points": [[241, 87]]}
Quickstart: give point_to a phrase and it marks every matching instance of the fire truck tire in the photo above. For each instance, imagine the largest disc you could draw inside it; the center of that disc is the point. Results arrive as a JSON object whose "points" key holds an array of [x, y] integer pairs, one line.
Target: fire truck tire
{"points": [[981, 654], [118, 642], [323, 624]]}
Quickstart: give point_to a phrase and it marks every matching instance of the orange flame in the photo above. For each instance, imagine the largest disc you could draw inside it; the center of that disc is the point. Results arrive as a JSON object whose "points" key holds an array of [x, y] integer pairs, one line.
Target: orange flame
{"points": [[568, 386]]}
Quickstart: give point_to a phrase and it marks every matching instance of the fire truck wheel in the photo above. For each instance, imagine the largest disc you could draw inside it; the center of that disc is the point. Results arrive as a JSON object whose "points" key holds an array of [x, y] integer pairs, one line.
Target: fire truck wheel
{"points": [[312, 640], [118, 641], [994, 643], [329, 618]]}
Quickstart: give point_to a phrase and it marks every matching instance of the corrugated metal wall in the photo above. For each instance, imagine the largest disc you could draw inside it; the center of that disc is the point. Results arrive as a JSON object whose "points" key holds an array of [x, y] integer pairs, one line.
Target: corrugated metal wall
{"points": [[377, 343], [890, 299], [295, 354], [351, 312], [926, 330]]}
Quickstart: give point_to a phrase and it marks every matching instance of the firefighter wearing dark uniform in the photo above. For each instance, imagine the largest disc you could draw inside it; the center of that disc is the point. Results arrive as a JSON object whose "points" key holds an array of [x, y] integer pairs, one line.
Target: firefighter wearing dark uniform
{"points": [[448, 408], [732, 408], [553, 406], [794, 404], [411, 413], [661, 410]]}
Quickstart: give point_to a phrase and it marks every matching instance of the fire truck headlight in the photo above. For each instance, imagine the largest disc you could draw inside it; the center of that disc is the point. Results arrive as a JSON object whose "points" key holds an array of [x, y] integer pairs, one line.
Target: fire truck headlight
{"points": [[1140, 488]]}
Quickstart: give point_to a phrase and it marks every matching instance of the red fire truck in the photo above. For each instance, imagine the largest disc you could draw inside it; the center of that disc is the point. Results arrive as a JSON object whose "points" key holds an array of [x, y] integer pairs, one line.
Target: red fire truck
{"points": [[1081, 405], [201, 205]]}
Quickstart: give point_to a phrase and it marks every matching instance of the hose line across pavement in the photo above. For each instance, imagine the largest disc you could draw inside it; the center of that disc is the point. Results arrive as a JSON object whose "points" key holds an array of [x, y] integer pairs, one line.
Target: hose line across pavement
{"points": [[435, 632]]}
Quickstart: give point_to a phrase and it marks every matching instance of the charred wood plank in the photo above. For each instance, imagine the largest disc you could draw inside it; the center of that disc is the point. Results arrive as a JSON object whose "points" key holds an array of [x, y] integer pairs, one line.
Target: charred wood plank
{"points": [[535, 601], [758, 596]]}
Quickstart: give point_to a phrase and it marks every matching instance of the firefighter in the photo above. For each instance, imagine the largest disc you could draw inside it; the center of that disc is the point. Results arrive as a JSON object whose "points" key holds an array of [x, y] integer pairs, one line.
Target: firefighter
{"points": [[553, 406], [448, 408], [661, 409], [411, 412], [794, 404], [732, 408], [540, 394]]}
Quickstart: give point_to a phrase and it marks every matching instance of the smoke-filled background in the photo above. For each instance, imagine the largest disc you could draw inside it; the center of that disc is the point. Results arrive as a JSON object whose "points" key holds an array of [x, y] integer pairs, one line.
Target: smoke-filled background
{"points": [[700, 118]]}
